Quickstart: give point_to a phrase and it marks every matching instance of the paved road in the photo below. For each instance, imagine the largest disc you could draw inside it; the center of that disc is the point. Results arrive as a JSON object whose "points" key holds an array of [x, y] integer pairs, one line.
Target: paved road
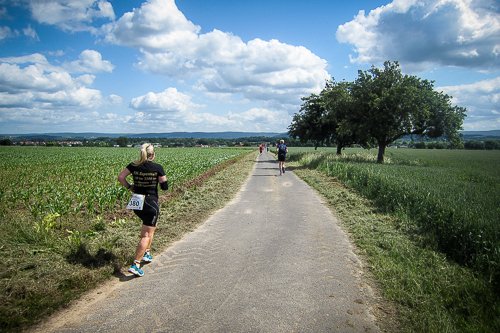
{"points": [[273, 260]]}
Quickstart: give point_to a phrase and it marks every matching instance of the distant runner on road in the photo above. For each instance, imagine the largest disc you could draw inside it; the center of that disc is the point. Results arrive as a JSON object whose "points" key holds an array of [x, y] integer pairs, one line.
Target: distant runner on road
{"points": [[281, 150]]}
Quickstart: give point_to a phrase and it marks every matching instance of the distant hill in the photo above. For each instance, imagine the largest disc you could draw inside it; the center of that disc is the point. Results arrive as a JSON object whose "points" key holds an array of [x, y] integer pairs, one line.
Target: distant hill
{"points": [[468, 135], [488, 134], [196, 135]]}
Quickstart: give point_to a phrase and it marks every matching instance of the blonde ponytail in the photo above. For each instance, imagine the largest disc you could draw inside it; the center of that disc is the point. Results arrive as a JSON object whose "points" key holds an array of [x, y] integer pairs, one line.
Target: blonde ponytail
{"points": [[147, 151]]}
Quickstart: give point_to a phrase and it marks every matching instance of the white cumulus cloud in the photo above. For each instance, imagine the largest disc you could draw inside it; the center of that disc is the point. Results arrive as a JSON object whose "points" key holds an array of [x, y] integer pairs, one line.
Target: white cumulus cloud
{"points": [[89, 61], [260, 115], [422, 33], [168, 101], [171, 110], [252, 120], [157, 25], [71, 15], [7, 32], [482, 100], [30, 32], [275, 73], [35, 92]]}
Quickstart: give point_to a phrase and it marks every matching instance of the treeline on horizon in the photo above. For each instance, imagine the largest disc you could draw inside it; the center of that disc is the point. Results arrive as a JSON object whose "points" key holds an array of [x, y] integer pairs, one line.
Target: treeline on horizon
{"points": [[165, 142], [471, 142]]}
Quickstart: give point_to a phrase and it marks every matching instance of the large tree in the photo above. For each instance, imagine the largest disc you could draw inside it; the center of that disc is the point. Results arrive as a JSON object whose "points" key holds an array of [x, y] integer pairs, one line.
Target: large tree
{"points": [[320, 118], [309, 124], [390, 105], [338, 103]]}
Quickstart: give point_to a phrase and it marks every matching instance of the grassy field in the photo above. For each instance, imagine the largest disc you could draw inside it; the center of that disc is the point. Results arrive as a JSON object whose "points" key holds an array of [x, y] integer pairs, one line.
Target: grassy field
{"points": [[427, 221], [64, 229]]}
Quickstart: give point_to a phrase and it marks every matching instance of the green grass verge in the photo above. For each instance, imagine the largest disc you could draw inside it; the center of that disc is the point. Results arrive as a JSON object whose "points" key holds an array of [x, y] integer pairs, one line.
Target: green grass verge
{"points": [[431, 293], [44, 268]]}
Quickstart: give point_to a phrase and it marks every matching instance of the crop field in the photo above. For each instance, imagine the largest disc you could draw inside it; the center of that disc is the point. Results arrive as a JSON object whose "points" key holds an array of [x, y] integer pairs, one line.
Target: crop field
{"points": [[67, 182], [447, 199], [63, 223]]}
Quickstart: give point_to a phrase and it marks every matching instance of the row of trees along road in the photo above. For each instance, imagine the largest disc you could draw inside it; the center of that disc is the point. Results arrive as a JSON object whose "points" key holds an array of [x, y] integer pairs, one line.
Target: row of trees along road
{"points": [[379, 107]]}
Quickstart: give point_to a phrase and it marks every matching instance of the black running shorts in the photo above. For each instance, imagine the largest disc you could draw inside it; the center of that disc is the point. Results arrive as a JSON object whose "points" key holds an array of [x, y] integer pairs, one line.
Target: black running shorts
{"points": [[281, 158], [149, 212]]}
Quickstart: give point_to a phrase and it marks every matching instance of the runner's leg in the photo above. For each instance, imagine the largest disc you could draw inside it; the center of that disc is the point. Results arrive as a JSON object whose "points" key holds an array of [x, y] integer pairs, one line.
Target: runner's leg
{"points": [[147, 233]]}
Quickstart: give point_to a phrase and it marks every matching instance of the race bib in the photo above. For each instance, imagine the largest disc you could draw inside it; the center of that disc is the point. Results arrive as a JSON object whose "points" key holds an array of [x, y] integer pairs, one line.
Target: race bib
{"points": [[136, 202]]}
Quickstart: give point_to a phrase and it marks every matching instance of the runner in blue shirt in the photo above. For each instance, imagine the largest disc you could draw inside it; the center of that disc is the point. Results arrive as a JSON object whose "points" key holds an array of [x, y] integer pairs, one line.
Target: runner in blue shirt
{"points": [[281, 150]]}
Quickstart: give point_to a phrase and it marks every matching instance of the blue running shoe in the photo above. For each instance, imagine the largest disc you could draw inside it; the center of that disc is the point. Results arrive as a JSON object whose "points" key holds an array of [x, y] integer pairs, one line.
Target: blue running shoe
{"points": [[136, 270], [147, 257]]}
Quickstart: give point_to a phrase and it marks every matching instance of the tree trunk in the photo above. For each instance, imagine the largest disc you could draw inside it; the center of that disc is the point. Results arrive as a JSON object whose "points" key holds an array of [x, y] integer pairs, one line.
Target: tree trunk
{"points": [[339, 150], [381, 153]]}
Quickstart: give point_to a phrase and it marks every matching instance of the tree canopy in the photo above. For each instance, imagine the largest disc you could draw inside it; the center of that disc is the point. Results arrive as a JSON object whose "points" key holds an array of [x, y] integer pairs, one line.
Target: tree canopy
{"points": [[310, 123], [122, 141], [320, 117], [379, 107]]}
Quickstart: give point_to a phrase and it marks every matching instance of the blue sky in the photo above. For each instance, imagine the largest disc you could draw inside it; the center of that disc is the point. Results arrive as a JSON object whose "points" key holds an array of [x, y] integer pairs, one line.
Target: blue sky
{"points": [[118, 66]]}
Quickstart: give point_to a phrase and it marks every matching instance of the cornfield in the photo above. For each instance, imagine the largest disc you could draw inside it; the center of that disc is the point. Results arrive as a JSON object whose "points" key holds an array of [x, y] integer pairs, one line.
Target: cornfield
{"points": [[65, 182]]}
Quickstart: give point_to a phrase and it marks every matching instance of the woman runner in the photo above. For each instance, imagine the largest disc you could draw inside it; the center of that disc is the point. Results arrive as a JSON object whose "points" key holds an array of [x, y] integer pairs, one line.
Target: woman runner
{"points": [[146, 175]]}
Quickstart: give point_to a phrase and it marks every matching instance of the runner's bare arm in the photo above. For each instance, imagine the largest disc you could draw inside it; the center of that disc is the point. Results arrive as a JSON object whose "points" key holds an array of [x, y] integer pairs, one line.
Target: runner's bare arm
{"points": [[122, 178]]}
